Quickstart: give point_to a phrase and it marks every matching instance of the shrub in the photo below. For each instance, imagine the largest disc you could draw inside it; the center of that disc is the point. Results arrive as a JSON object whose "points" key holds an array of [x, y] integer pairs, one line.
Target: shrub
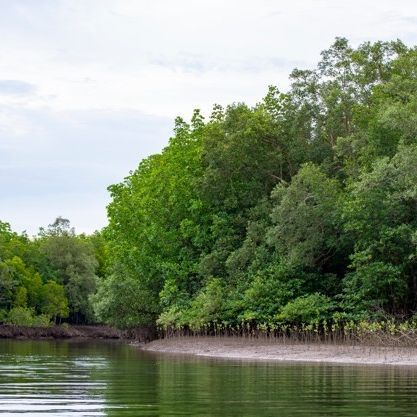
{"points": [[3, 315], [20, 316], [41, 321], [207, 307], [23, 316], [308, 309]]}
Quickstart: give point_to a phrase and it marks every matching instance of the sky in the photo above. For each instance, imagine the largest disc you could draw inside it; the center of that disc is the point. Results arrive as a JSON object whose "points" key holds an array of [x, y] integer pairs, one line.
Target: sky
{"points": [[88, 88]]}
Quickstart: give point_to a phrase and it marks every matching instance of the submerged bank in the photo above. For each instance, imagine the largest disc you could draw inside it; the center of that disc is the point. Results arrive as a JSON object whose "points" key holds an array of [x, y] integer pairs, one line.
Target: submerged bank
{"points": [[64, 332], [246, 349], [58, 332]]}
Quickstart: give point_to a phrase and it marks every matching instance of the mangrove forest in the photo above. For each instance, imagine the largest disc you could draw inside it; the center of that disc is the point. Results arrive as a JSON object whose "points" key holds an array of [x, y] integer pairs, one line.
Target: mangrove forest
{"points": [[298, 211]]}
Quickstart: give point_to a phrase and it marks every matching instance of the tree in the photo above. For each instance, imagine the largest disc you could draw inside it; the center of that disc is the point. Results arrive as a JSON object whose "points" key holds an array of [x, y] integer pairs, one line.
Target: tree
{"points": [[54, 301], [7, 286], [306, 218], [71, 263], [293, 209], [153, 231], [124, 302], [308, 309], [65, 261], [380, 215], [21, 297]]}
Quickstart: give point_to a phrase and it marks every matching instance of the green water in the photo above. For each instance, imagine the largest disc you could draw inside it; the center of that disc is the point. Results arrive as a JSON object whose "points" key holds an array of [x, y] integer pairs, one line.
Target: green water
{"points": [[111, 379]]}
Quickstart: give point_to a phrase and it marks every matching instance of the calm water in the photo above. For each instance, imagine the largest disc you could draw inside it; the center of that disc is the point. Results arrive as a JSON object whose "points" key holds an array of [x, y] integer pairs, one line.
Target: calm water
{"points": [[111, 379]]}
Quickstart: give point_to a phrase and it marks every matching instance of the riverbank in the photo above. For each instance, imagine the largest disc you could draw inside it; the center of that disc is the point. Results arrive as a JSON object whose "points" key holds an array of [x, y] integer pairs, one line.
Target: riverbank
{"points": [[59, 332], [246, 349], [65, 332]]}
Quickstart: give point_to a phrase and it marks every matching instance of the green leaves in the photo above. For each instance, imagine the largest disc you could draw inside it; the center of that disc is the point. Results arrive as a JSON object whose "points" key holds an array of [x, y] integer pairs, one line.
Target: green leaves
{"points": [[291, 211], [207, 306], [73, 264], [124, 302], [380, 215], [308, 309], [306, 218], [50, 276], [53, 300]]}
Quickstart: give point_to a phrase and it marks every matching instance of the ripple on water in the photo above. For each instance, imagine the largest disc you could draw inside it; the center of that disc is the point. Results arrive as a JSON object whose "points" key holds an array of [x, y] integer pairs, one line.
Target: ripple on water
{"points": [[60, 379], [44, 384]]}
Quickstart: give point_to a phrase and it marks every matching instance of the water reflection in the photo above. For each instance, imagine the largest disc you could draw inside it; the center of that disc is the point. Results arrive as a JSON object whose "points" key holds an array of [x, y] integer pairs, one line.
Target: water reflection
{"points": [[262, 389], [114, 380], [47, 378]]}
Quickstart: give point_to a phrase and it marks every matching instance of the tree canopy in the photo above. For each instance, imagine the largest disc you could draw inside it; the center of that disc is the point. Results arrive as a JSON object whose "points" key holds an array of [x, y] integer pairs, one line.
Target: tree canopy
{"points": [[293, 210], [297, 210], [49, 277]]}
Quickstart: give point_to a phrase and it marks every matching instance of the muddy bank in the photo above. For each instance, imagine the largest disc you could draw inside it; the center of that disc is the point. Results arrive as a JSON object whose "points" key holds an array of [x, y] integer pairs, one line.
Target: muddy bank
{"points": [[246, 349], [64, 332]]}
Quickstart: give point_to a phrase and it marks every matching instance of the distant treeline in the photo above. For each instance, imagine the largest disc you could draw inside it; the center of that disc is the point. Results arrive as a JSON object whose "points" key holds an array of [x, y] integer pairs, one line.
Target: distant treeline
{"points": [[51, 277], [299, 211]]}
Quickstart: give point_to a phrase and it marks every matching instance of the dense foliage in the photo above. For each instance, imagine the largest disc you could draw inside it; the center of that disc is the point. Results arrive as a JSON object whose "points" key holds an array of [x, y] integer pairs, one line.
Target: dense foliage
{"points": [[298, 210], [48, 278]]}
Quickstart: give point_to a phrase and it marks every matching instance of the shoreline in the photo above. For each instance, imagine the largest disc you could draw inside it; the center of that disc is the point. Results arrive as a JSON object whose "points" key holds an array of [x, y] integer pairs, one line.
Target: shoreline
{"points": [[276, 351], [75, 331], [58, 332]]}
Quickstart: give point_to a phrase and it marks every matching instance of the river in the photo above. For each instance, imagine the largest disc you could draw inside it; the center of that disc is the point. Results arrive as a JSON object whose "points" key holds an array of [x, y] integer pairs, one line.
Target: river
{"points": [[72, 378]]}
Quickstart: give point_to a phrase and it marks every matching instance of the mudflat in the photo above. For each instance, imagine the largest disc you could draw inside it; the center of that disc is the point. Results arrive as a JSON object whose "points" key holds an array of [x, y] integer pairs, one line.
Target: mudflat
{"points": [[265, 350]]}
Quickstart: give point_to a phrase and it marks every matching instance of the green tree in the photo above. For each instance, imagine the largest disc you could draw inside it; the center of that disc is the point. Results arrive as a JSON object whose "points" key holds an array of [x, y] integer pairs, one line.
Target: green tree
{"points": [[54, 301], [153, 231], [125, 302], [308, 309], [306, 218], [380, 216], [289, 210], [73, 264], [21, 297]]}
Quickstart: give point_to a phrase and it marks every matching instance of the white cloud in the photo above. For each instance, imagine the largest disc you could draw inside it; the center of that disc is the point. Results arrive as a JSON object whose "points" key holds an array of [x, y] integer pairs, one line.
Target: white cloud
{"points": [[15, 87], [64, 161], [98, 81]]}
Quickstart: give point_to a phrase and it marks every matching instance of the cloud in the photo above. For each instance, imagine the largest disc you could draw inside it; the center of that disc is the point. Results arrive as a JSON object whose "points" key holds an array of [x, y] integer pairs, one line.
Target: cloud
{"points": [[63, 163], [89, 87], [202, 64], [410, 20], [16, 87]]}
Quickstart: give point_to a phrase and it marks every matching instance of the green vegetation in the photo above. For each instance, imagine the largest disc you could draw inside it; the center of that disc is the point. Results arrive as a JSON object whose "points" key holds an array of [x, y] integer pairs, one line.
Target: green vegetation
{"points": [[297, 213], [49, 278]]}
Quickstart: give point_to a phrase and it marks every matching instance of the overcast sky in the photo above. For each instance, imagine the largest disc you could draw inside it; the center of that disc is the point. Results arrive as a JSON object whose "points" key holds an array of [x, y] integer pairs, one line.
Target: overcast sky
{"points": [[90, 87]]}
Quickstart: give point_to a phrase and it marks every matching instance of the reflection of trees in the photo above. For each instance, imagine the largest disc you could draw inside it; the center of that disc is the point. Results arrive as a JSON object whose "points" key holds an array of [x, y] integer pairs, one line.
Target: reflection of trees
{"points": [[132, 388], [159, 385], [221, 388], [114, 380]]}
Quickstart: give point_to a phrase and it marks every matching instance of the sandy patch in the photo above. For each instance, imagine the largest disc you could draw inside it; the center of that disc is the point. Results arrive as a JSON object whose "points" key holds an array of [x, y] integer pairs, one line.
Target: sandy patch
{"points": [[247, 349]]}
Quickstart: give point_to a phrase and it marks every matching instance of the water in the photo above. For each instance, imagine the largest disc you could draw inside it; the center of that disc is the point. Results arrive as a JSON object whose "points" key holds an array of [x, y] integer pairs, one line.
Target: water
{"points": [[69, 378]]}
